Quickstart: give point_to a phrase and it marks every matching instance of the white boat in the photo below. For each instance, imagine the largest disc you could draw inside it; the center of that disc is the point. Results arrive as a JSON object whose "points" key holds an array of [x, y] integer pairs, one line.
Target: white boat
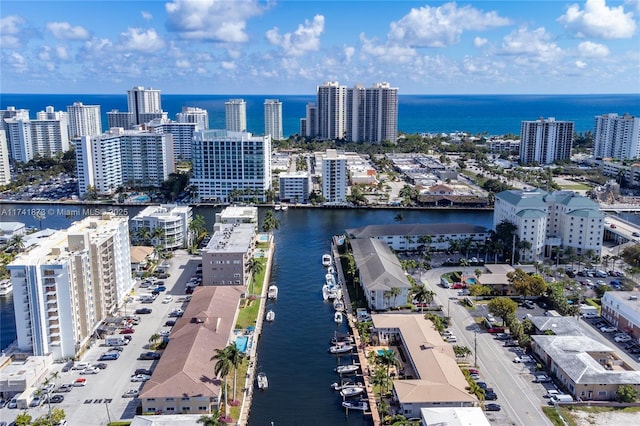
{"points": [[6, 287], [263, 383], [340, 349], [355, 405], [326, 260], [325, 292], [285, 207], [272, 292], [277, 207], [345, 384], [334, 292], [347, 369], [337, 317], [338, 305], [330, 279], [341, 338], [270, 316], [352, 391], [330, 270]]}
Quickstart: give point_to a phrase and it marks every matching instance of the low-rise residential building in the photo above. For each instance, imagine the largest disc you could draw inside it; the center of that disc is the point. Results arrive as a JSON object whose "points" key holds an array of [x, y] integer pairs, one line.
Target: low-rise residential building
{"points": [[294, 187], [167, 224], [225, 259], [630, 173], [68, 283], [453, 416], [238, 214], [589, 369], [382, 278], [18, 376], [438, 380], [140, 258], [622, 309], [10, 229], [184, 381], [416, 236]]}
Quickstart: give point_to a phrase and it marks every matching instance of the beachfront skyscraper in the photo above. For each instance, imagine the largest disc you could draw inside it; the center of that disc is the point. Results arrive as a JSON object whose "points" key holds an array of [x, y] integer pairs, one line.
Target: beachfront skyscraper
{"points": [[372, 113], [236, 115], [45, 136], [309, 124], [144, 103], [121, 119], [5, 172], [545, 141], [230, 166], [617, 137], [68, 283], [84, 120], [273, 118], [197, 116], [331, 105]]}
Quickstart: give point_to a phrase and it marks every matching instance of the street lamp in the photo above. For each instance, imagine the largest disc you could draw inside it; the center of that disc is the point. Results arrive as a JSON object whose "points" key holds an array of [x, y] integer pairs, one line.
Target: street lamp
{"points": [[475, 348]]}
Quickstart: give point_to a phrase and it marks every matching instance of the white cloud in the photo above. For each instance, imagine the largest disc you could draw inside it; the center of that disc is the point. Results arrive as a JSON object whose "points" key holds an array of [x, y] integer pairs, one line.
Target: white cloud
{"points": [[479, 41], [65, 31], [17, 62], [147, 16], [593, 50], [598, 20], [62, 53], [212, 20], [580, 64], [228, 65], [530, 46], [140, 40], [305, 38], [10, 32], [183, 63], [387, 52], [441, 26], [348, 51]]}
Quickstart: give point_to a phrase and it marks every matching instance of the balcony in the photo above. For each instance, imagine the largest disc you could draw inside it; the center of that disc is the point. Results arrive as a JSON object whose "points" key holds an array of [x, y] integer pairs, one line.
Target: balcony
{"points": [[53, 308]]}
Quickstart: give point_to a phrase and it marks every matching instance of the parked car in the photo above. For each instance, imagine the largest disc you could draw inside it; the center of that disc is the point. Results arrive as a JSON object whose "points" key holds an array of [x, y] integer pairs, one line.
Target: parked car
{"points": [[622, 338], [167, 299], [80, 381], [176, 313], [89, 370], [502, 336], [80, 365], [170, 323], [528, 304], [608, 329], [35, 402], [109, 356], [492, 407], [128, 330], [144, 371], [490, 396], [542, 378], [13, 403], [143, 311], [149, 355], [131, 393], [140, 378], [160, 288], [451, 339], [100, 365], [116, 349], [56, 399], [511, 343], [496, 330], [522, 359], [64, 388]]}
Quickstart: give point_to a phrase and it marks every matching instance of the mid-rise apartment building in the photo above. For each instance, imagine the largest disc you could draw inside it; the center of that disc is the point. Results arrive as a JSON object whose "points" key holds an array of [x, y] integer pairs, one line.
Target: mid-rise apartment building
{"points": [[629, 173], [181, 133], [273, 118], [168, 225], [67, 284], [230, 165], [294, 187], [236, 115], [225, 259], [545, 141], [84, 120], [99, 163], [617, 137], [122, 119], [334, 177], [546, 220], [45, 136]]}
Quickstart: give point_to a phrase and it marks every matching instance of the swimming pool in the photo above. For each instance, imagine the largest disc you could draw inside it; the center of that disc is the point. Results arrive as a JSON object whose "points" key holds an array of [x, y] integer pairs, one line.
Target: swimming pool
{"points": [[241, 343], [263, 238], [471, 281], [382, 352]]}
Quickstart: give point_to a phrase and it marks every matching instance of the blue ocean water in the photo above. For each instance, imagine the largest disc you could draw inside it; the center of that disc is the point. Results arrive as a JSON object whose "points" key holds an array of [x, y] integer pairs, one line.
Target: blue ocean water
{"points": [[494, 114]]}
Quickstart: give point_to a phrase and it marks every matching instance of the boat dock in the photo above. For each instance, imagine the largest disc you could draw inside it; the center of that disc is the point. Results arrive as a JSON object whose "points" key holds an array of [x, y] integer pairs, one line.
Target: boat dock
{"points": [[362, 356], [245, 408]]}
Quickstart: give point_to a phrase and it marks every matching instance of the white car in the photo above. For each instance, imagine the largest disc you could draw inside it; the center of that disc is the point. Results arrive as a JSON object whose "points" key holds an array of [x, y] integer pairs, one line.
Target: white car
{"points": [[447, 333], [140, 378], [90, 370], [522, 359], [131, 393], [451, 339], [609, 329], [167, 299], [622, 338]]}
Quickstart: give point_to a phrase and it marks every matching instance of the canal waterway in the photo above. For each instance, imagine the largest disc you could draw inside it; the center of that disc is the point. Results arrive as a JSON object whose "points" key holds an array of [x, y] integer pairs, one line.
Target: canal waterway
{"points": [[293, 349]]}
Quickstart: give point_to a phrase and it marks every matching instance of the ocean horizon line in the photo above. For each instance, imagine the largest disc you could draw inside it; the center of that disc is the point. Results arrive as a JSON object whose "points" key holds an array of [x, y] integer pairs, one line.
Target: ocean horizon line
{"points": [[313, 94]]}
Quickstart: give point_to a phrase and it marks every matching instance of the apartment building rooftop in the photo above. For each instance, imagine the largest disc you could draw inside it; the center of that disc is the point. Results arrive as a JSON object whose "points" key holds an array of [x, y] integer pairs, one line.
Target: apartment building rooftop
{"points": [[233, 238]]}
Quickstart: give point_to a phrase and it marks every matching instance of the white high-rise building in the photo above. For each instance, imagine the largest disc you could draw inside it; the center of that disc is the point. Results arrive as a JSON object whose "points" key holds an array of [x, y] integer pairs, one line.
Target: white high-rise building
{"points": [[230, 165], [67, 284], [294, 186], [273, 118], [545, 141], [197, 116], [147, 157], [19, 138], [172, 219], [236, 115], [617, 137], [84, 120], [5, 171], [121, 119], [331, 102], [310, 122], [45, 136], [182, 134], [99, 163], [372, 113], [546, 220], [143, 101], [334, 177]]}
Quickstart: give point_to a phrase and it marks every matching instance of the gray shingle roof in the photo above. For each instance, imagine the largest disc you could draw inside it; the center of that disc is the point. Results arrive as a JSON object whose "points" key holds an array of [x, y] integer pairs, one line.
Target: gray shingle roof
{"points": [[415, 229], [379, 267]]}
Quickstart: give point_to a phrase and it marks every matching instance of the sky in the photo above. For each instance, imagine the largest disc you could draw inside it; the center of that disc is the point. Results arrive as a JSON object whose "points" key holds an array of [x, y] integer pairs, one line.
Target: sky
{"points": [[292, 46]]}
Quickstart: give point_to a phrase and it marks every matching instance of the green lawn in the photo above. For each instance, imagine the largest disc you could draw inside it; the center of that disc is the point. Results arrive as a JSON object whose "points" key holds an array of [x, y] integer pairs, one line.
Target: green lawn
{"points": [[249, 313], [576, 187]]}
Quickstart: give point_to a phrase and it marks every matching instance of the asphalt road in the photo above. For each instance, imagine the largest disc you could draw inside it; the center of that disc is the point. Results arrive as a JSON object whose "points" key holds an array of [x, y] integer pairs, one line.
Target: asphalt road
{"points": [[100, 400]]}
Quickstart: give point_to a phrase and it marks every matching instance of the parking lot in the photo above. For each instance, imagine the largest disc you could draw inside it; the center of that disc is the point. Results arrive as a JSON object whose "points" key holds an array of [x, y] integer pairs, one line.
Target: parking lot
{"points": [[101, 398]]}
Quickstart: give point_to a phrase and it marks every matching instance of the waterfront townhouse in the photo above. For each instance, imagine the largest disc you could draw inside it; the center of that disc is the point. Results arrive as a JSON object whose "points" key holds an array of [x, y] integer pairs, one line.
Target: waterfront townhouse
{"points": [[417, 236], [437, 379], [622, 309], [168, 224], [589, 369], [617, 137], [184, 381], [546, 220], [545, 141], [66, 284], [334, 177], [225, 259], [382, 278], [230, 165], [294, 187]]}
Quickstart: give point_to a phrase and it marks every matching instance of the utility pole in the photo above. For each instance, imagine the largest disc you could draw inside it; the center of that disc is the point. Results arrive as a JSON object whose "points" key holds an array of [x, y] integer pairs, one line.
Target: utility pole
{"points": [[475, 348]]}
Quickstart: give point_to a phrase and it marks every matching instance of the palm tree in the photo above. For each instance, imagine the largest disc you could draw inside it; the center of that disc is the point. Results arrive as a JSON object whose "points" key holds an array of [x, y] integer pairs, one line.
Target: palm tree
{"points": [[379, 378], [388, 358], [395, 292], [270, 222], [17, 242], [144, 235], [235, 357], [254, 267], [154, 338], [158, 234], [212, 420], [221, 369], [422, 295], [464, 263]]}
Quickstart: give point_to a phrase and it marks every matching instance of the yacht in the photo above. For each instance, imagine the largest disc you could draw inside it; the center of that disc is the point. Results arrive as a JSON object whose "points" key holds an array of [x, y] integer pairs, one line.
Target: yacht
{"points": [[6, 287], [270, 316], [263, 383], [337, 317], [272, 293], [326, 260]]}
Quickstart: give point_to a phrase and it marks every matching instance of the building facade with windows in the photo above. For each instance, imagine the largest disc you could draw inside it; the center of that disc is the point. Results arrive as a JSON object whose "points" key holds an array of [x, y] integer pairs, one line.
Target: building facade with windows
{"points": [[334, 177], [617, 137], [236, 115], [181, 133], [225, 259], [99, 164], [194, 115], [622, 309], [230, 165], [372, 113], [5, 170], [141, 100], [545, 141], [168, 225], [331, 105], [67, 284], [84, 120], [273, 118]]}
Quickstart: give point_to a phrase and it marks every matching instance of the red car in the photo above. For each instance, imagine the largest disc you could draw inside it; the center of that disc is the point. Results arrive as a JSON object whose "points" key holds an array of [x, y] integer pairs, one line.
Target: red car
{"points": [[458, 285], [496, 330], [473, 371], [127, 331]]}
